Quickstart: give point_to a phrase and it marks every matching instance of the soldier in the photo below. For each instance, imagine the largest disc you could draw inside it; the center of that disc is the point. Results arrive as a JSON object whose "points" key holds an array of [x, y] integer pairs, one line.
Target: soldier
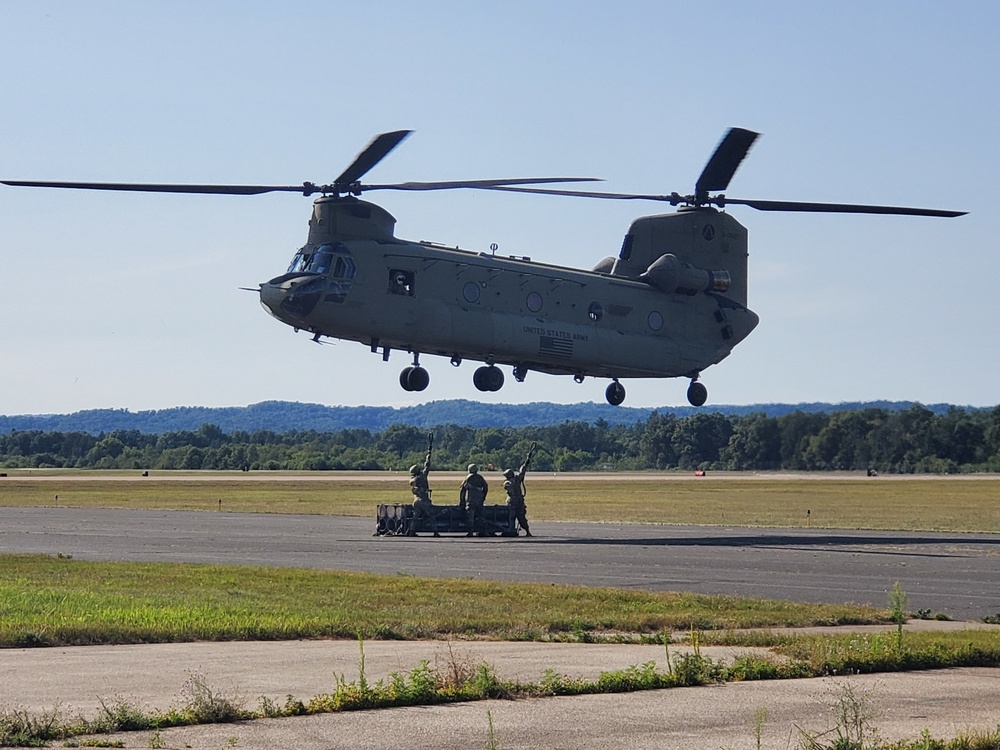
{"points": [[472, 496], [422, 506], [514, 487]]}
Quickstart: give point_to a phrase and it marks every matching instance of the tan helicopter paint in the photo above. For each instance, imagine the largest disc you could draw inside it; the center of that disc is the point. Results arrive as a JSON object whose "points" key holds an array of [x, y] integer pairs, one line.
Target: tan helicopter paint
{"points": [[564, 335]]}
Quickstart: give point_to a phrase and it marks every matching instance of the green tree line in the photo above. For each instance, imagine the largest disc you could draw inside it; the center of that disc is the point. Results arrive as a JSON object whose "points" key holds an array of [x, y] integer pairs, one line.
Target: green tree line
{"points": [[914, 440]]}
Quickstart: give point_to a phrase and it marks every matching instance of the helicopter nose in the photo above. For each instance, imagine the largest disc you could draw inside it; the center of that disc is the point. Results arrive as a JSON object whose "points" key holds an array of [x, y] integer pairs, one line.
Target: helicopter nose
{"points": [[292, 300], [270, 297]]}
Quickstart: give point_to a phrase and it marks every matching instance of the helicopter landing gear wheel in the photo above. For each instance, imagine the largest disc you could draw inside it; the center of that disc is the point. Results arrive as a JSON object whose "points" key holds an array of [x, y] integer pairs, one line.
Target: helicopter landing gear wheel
{"points": [[488, 378], [697, 394], [615, 393], [414, 378]]}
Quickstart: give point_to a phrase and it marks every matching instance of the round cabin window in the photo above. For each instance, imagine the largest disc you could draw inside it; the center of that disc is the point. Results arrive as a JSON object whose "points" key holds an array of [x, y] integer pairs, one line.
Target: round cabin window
{"points": [[471, 292]]}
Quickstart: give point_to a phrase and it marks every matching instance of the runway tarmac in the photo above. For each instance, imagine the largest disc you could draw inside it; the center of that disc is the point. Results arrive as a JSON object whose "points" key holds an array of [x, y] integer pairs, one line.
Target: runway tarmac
{"points": [[950, 573]]}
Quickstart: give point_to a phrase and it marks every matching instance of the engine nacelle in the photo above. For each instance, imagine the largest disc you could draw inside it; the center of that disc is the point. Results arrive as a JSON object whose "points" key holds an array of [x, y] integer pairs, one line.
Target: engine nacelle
{"points": [[670, 274]]}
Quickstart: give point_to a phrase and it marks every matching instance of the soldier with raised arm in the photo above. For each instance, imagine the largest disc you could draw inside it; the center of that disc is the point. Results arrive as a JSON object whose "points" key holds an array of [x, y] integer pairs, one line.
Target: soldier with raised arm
{"points": [[514, 487], [422, 506]]}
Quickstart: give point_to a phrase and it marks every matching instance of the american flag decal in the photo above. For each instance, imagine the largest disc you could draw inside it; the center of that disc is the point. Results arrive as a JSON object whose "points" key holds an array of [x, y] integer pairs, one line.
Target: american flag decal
{"points": [[550, 346]]}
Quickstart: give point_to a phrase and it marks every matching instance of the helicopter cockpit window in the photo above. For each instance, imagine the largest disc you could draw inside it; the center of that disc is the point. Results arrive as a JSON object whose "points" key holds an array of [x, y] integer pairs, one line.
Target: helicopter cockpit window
{"points": [[300, 261], [401, 282], [321, 260]]}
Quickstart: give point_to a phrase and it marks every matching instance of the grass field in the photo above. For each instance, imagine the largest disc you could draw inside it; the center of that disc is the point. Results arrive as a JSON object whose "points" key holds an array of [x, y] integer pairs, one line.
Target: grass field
{"points": [[925, 503], [59, 601]]}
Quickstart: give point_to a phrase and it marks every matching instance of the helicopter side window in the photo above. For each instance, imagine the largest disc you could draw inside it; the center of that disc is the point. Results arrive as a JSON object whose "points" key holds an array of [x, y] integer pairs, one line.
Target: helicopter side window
{"points": [[344, 268], [401, 282]]}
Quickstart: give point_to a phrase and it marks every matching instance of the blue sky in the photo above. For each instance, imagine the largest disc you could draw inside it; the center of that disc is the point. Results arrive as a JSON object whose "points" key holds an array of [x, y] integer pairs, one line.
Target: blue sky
{"points": [[133, 301]]}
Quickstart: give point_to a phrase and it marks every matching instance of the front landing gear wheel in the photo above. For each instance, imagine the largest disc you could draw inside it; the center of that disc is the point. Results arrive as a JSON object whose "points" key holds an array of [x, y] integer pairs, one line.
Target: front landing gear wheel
{"points": [[414, 378], [488, 378], [615, 394], [697, 394]]}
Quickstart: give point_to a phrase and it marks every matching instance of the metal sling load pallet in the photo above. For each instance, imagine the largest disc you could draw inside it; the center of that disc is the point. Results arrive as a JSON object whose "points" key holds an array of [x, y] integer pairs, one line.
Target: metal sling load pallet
{"points": [[396, 519]]}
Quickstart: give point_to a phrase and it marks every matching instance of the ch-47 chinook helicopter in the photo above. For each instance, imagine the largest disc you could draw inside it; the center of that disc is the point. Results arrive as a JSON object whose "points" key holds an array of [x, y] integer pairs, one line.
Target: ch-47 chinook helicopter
{"points": [[672, 303]]}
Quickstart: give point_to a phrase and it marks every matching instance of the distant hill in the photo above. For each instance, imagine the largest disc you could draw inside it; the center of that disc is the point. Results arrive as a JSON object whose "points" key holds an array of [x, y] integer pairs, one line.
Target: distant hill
{"points": [[285, 416]]}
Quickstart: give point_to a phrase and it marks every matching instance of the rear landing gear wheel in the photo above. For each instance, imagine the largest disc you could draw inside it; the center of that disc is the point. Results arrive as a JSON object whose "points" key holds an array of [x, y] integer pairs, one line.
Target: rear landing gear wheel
{"points": [[488, 378], [697, 394], [414, 378], [615, 394]]}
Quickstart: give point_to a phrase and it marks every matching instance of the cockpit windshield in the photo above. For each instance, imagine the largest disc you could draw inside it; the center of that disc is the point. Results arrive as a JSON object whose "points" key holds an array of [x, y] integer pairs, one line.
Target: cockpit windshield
{"points": [[323, 259]]}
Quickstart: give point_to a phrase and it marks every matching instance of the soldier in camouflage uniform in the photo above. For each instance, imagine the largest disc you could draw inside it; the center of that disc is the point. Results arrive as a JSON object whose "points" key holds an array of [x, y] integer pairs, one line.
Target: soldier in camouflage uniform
{"points": [[472, 497], [422, 506], [514, 487]]}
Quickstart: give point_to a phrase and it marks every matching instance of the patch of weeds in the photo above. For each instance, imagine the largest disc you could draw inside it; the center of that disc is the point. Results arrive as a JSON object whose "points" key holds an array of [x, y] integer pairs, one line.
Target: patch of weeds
{"points": [[156, 741], [492, 743], [992, 619], [21, 728], [92, 742], [120, 716], [581, 632], [854, 713], [757, 722], [205, 706], [897, 606], [644, 677]]}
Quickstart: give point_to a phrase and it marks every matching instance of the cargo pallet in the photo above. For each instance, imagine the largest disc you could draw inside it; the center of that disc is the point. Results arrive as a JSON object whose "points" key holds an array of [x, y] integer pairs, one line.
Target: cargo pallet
{"points": [[397, 520]]}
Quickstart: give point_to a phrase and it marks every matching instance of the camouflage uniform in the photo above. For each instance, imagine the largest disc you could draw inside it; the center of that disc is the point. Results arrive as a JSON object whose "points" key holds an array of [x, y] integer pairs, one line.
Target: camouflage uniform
{"points": [[472, 496], [514, 487], [422, 506]]}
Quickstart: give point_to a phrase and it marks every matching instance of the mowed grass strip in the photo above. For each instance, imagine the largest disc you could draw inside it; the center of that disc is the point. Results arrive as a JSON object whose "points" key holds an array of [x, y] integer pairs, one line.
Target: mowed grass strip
{"points": [[59, 601], [926, 504]]}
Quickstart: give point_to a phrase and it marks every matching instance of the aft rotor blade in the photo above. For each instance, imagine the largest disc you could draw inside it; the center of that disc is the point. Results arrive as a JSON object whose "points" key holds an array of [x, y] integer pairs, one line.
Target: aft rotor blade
{"points": [[838, 208], [480, 184], [373, 153], [728, 156], [160, 188], [673, 199]]}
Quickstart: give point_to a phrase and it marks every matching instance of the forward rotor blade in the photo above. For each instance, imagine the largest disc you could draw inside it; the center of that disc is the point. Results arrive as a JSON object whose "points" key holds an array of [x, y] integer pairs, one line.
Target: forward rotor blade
{"points": [[839, 208], [728, 156], [373, 153], [480, 184], [160, 188]]}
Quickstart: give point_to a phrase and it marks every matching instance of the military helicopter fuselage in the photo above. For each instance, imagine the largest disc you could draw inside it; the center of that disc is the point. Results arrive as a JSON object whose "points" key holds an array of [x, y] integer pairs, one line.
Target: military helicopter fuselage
{"points": [[671, 304]]}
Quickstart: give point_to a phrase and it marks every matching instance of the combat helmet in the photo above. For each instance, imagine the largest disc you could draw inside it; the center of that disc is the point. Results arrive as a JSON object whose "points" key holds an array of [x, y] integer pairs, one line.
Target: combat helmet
{"points": [[414, 470], [473, 469], [509, 473]]}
